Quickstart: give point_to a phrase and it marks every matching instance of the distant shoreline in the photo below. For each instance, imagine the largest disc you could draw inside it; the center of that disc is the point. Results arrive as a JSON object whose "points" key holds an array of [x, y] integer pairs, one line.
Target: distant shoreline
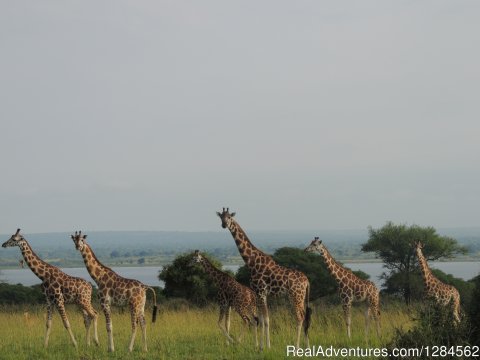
{"points": [[240, 263]]}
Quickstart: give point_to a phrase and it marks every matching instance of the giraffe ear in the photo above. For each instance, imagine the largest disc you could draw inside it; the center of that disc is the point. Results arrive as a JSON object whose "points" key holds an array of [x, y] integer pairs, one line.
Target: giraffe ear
{"points": [[232, 214], [73, 237], [219, 214], [84, 236]]}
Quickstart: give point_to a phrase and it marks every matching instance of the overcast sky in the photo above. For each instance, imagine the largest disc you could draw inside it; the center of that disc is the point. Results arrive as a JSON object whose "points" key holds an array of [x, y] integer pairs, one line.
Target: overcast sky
{"points": [[152, 115]]}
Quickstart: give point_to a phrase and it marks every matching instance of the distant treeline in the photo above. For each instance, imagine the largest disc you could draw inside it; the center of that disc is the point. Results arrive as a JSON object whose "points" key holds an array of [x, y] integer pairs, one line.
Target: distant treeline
{"points": [[128, 248]]}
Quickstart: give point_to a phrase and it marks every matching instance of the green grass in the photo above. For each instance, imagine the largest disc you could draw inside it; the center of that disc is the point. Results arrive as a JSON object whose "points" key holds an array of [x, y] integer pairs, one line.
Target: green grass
{"points": [[183, 332]]}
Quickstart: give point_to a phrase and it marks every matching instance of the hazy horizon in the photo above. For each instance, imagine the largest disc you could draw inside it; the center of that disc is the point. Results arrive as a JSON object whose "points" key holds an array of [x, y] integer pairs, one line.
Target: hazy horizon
{"points": [[449, 231], [154, 115]]}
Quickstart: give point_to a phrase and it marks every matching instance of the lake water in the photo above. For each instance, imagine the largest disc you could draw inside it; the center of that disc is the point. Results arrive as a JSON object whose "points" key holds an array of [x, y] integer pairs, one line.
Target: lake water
{"points": [[149, 274]]}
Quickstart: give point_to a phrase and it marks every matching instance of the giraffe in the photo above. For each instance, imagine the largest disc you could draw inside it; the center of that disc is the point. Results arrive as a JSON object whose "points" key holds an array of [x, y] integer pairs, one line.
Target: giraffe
{"points": [[351, 288], [231, 294], [269, 278], [434, 288], [59, 289], [116, 290]]}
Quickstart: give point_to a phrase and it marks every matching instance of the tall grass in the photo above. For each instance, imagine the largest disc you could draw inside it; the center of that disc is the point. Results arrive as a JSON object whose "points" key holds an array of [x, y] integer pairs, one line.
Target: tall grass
{"points": [[183, 332]]}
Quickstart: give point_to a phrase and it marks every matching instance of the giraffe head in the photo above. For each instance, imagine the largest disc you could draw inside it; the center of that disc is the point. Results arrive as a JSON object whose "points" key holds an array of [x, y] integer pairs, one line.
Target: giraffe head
{"points": [[226, 217], [418, 245], [197, 257], [315, 246], [79, 240], [15, 240]]}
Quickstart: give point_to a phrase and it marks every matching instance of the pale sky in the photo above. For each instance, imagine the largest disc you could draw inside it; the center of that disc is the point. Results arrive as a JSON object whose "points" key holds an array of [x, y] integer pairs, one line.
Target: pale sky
{"points": [[152, 115]]}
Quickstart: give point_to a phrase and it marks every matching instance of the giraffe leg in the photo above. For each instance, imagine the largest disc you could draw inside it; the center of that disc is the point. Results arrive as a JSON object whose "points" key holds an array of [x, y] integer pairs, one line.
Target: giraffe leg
{"points": [[248, 314], [376, 316], [244, 329], [108, 321], [298, 308], [89, 315], [87, 321], [223, 311], [61, 309], [375, 311], [266, 321], [246, 323], [348, 317], [456, 314], [368, 313], [227, 320], [456, 307], [255, 329], [261, 322], [94, 317], [299, 317], [49, 322], [143, 326], [134, 319]]}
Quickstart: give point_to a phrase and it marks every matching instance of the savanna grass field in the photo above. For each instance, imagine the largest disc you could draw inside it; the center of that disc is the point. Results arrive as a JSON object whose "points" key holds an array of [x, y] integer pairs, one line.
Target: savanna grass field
{"points": [[185, 332]]}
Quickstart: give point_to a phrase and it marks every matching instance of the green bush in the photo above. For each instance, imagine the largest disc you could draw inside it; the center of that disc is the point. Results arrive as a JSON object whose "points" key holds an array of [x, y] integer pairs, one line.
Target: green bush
{"points": [[19, 294], [189, 281], [474, 311], [435, 326]]}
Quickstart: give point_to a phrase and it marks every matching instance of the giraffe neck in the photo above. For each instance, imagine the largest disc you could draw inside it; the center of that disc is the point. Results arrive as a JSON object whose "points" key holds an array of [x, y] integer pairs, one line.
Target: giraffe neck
{"points": [[247, 250], [37, 265], [215, 274], [426, 272], [335, 269], [95, 268]]}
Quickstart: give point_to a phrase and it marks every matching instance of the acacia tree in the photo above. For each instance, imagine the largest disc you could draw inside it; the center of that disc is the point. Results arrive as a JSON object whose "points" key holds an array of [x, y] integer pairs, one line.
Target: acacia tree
{"points": [[394, 245]]}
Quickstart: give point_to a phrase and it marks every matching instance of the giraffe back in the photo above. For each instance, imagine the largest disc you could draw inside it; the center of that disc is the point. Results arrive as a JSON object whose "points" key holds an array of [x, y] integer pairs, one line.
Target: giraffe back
{"points": [[240, 297], [275, 279], [122, 291], [73, 289]]}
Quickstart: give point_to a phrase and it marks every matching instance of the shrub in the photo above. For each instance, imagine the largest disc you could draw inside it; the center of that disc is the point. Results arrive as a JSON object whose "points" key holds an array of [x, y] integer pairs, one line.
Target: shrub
{"points": [[474, 311], [19, 294], [435, 326], [186, 280]]}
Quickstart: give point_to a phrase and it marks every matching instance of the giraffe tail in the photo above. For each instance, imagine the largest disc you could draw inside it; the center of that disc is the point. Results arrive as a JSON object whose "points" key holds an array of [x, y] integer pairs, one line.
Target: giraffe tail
{"points": [[155, 307], [308, 312]]}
